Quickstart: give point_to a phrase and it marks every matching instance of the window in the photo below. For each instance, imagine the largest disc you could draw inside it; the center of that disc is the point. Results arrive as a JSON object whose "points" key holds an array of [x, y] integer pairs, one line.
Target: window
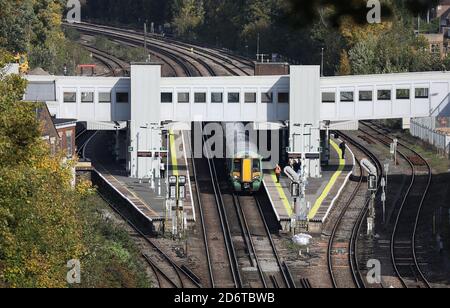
{"points": [[234, 97], [283, 98], [256, 165], [384, 95], [365, 96], [422, 93], [69, 145], [347, 96], [267, 98], [184, 98], [250, 98], [216, 97], [166, 97], [70, 97], [403, 93], [237, 165], [122, 97], [104, 97], [200, 97], [87, 97], [436, 48], [328, 97]]}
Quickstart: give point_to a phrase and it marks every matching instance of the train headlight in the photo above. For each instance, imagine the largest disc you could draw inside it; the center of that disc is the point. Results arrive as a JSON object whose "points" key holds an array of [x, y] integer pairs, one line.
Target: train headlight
{"points": [[256, 178], [236, 177]]}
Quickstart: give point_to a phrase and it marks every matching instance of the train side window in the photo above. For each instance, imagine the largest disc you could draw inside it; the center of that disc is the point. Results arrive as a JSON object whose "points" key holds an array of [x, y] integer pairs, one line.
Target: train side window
{"points": [[87, 97], [122, 97], [256, 165], [70, 97], [104, 97], [384, 95], [283, 97], [365, 96], [267, 98], [184, 98], [216, 98], [250, 98], [237, 165], [200, 98], [167, 97], [422, 93], [329, 97], [347, 97], [403, 94], [234, 98]]}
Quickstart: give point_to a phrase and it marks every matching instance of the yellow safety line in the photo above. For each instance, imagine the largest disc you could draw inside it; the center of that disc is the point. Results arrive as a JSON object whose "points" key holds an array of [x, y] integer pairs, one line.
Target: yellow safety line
{"points": [[282, 194], [173, 153], [330, 184]]}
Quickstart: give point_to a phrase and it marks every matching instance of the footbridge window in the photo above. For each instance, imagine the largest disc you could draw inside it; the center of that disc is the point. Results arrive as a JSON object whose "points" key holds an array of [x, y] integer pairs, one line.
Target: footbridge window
{"points": [[87, 97], [104, 97], [122, 97], [422, 93], [365, 96], [347, 97], [384, 95], [234, 98], [70, 97], [200, 98], [167, 97], [283, 97], [250, 98], [329, 97], [216, 98], [403, 94], [267, 98], [184, 98]]}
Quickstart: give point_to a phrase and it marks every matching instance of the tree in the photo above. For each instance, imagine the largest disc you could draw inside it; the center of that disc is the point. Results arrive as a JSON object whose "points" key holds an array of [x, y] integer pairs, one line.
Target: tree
{"points": [[188, 17]]}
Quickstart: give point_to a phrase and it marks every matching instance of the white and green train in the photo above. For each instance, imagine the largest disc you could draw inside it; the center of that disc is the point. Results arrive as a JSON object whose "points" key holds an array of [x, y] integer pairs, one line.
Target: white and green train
{"points": [[244, 164]]}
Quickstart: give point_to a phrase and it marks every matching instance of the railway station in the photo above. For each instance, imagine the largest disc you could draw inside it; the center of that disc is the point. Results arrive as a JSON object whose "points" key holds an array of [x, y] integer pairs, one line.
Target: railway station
{"points": [[299, 111]]}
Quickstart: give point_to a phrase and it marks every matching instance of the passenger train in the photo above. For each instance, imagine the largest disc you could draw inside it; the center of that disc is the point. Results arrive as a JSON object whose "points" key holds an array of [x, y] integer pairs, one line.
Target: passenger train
{"points": [[243, 163]]}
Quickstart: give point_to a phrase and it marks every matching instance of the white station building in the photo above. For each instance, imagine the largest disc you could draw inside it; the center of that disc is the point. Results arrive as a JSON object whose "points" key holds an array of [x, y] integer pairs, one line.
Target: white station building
{"points": [[304, 103]]}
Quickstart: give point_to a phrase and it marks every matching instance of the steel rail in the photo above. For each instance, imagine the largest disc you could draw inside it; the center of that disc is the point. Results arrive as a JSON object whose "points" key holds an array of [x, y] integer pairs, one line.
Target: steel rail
{"points": [[403, 206], [338, 224], [272, 244], [353, 254], [202, 220]]}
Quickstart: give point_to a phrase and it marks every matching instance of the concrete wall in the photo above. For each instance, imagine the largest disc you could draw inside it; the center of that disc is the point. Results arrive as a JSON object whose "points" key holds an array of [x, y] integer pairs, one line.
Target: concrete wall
{"points": [[304, 115], [145, 124]]}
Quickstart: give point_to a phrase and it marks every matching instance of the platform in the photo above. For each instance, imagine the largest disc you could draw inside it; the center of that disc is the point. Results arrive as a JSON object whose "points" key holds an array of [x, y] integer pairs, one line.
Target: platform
{"points": [[321, 194], [147, 197]]}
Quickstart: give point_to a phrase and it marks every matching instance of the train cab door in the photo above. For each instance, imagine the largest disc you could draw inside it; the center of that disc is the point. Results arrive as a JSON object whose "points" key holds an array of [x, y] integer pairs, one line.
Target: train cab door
{"points": [[246, 170]]}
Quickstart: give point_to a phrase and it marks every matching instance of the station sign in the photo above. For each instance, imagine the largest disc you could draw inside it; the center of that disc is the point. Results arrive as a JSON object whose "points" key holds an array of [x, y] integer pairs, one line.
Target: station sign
{"points": [[295, 155], [312, 156], [145, 154]]}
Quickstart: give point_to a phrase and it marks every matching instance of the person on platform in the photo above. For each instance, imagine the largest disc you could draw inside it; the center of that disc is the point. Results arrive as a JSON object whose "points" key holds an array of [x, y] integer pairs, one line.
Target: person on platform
{"points": [[343, 147], [162, 170], [278, 173]]}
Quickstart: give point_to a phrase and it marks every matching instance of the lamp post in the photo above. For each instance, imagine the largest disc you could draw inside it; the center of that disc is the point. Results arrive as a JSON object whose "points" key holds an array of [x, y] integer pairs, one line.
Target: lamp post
{"points": [[322, 62]]}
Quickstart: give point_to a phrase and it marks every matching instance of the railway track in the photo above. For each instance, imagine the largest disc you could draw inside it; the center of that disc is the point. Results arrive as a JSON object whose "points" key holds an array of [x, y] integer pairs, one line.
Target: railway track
{"points": [[403, 246], [240, 65], [196, 57], [347, 229], [224, 268], [167, 272], [259, 249], [116, 66]]}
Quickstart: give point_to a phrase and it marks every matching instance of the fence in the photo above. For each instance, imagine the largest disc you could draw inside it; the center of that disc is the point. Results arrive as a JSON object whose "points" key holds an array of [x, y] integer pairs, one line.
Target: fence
{"points": [[439, 140]]}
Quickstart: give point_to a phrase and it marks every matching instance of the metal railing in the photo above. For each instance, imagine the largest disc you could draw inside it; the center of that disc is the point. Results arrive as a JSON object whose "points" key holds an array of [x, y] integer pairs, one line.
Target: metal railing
{"points": [[437, 139]]}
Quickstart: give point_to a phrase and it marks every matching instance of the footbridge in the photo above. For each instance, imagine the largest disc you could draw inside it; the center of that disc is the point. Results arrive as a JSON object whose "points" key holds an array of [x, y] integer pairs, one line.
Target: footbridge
{"points": [[303, 101]]}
